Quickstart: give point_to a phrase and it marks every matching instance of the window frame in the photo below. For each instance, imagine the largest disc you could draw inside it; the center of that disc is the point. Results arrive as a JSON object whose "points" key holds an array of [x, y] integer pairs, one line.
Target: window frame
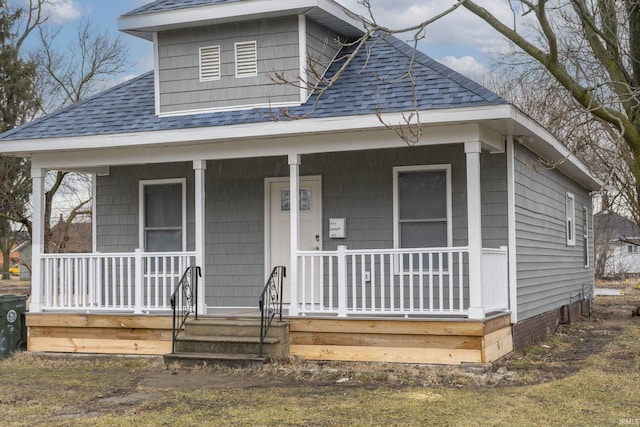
{"points": [[570, 218], [585, 236], [254, 71], [214, 77], [396, 198], [142, 242]]}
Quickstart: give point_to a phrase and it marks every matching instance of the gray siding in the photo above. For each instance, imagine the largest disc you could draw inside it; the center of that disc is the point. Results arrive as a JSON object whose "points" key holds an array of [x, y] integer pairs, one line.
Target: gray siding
{"points": [[117, 200], [178, 52], [493, 183], [322, 47], [548, 271], [356, 185]]}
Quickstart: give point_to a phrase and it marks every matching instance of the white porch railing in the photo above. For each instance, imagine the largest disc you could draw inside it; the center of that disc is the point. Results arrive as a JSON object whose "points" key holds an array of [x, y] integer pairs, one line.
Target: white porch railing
{"points": [[495, 279], [424, 281], [137, 282]]}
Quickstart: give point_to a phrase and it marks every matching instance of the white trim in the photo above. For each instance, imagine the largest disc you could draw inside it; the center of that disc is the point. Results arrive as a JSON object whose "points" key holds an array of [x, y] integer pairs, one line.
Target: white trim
{"points": [[139, 25], [505, 119], [246, 59], [585, 235], [200, 219], [463, 120], [396, 214], [141, 208], [156, 73], [511, 221], [209, 67], [302, 57], [570, 218], [94, 213], [228, 108], [474, 229], [38, 176]]}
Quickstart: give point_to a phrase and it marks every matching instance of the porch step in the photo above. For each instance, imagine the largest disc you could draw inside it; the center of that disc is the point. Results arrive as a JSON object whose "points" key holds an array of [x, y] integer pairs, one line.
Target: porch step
{"points": [[224, 344], [212, 359], [229, 341], [231, 327]]}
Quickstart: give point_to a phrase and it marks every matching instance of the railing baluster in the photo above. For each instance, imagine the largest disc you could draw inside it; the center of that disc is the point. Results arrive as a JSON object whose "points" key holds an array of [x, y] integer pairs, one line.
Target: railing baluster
{"points": [[411, 277], [392, 279], [450, 270], [431, 282], [382, 283], [372, 279], [421, 280]]}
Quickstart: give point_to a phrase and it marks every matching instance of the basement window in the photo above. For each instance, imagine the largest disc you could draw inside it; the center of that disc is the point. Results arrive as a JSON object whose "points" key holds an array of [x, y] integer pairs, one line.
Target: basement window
{"points": [[246, 59], [209, 63]]}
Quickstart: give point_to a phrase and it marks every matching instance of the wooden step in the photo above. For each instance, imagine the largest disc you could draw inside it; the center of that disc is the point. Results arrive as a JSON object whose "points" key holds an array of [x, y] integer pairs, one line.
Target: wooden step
{"points": [[213, 359]]}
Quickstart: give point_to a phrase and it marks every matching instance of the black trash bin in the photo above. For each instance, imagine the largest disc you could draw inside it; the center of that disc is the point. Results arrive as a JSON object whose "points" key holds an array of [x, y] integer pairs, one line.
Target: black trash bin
{"points": [[13, 329]]}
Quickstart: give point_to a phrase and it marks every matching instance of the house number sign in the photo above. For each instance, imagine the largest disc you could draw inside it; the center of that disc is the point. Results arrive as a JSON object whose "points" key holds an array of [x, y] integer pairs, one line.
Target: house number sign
{"points": [[337, 228]]}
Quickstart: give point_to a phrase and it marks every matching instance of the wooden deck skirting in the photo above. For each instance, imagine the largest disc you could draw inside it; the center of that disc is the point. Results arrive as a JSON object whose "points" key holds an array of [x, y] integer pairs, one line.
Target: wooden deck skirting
{"points": [[448, 342], [99, 333]]}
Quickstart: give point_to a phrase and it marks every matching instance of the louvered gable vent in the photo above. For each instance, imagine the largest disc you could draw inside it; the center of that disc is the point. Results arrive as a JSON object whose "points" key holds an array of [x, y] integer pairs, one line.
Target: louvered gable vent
{"points": [[209, 63], [246, 59]]}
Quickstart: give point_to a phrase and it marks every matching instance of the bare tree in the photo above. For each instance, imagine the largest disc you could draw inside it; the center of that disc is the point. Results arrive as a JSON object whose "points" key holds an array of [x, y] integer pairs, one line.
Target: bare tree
{"points": [[70, 73], [590, 54], [64, 74]]}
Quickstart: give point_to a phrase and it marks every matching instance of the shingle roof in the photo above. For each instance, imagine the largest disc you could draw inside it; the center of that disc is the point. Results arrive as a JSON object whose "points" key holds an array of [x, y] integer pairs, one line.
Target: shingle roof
{"points": [[373, 81], [609, 226], [166, 5]]}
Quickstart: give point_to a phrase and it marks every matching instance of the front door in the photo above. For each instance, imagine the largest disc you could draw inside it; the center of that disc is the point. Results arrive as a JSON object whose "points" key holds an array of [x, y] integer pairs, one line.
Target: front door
{"points": [[310, 235]]}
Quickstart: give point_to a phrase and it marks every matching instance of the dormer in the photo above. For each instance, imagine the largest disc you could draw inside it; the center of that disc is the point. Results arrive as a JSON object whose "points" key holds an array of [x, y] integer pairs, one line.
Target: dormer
{"points": [[221, 55]]}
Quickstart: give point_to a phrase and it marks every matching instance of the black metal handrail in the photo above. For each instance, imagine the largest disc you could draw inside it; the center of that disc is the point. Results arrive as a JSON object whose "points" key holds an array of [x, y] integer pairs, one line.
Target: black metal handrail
{"points": [[187, 289], [270, 301]]}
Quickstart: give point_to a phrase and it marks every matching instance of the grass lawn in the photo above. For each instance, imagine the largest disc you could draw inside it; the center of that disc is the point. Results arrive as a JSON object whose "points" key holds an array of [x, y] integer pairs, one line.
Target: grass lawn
{"points": [[552, 384]]}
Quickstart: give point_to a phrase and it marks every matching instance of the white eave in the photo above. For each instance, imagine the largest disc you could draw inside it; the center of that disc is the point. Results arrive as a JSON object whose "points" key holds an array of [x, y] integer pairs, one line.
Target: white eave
{"points": [[501, 121], [325, 12]]}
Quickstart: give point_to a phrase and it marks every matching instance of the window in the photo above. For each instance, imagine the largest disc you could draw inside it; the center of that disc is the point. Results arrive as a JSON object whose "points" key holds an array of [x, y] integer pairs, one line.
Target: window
{"points": [[246, 59], [422, 206], [209, 63], [571, 219], [163, 222], [632, 249], [585, 235]]}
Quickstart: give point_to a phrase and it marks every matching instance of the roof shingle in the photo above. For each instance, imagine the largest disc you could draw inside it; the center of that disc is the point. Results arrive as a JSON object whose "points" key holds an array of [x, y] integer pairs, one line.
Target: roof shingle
{"points": [[376, 80]]}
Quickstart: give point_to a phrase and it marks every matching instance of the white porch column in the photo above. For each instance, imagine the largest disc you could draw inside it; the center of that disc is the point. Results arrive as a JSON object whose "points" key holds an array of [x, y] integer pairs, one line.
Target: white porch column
{"points": [[294, 223], [474, 221], [199, 167], [37, 239]]}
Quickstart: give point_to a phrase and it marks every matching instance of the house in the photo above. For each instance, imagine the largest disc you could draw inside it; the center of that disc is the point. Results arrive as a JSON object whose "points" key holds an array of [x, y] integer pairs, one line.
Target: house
{"points": [[450, 250], [617, 243]]}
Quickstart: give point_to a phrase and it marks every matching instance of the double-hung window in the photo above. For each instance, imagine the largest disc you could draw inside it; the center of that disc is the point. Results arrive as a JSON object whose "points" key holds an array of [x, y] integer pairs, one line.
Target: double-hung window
{"points": [[422, 206], [162, 215], [571, 219]]}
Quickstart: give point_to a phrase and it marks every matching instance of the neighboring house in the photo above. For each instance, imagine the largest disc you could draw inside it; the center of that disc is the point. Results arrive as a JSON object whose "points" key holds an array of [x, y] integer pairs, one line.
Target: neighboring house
{"points": [[617, 244], [447, 251], [15, 253], [75, 237]]}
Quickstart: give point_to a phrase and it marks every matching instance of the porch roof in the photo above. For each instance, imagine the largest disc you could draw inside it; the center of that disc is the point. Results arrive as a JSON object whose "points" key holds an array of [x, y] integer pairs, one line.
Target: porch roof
{"points": [[374, 81]]}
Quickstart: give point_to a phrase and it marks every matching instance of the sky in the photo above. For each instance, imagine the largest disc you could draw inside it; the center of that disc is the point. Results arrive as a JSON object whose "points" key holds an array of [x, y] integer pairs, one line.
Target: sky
{"points": [[460, 40]]}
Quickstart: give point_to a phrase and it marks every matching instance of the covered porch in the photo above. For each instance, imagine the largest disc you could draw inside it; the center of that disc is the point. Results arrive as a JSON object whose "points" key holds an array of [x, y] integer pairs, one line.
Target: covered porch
{"points": [[428, 289]]}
